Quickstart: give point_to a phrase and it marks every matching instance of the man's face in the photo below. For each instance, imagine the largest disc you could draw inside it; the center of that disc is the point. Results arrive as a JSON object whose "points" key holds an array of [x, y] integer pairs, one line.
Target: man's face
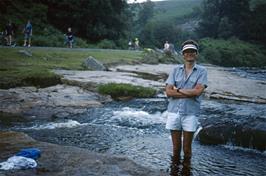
{"points": [[190, 55]]}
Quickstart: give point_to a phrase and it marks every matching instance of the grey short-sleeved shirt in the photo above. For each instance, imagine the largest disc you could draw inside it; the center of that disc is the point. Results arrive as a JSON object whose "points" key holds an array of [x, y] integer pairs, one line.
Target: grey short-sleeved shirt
{"points": [[177, 78]]}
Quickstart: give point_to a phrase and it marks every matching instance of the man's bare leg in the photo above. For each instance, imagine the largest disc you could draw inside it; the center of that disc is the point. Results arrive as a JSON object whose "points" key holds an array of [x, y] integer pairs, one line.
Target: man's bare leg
{"points": [[176, 140], [187, 142]]}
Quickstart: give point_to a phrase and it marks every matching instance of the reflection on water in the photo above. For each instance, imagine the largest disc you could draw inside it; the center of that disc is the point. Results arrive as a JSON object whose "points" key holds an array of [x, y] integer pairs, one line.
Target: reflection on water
{"points": [[135, 129], [180, 167]]}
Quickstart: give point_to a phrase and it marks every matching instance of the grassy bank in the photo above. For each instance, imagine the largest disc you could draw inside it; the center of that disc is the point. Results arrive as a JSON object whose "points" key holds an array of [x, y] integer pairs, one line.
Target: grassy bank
{"points": [[19, 69], [126, 91]]}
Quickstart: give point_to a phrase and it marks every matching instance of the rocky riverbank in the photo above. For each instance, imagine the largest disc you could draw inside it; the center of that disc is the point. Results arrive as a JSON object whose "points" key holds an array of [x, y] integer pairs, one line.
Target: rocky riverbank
{"points": [[59, 160], [78, 92], [222, 84]]}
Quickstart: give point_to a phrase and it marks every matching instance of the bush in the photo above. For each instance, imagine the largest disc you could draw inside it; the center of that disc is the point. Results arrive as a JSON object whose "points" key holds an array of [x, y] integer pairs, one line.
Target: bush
{"points": [[232, 52], [126, 90], [106, 44], [52, 37]]}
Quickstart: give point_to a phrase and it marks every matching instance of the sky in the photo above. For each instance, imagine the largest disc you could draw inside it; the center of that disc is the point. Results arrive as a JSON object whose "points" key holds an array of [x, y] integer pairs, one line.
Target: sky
{"points": [[131, 1]]}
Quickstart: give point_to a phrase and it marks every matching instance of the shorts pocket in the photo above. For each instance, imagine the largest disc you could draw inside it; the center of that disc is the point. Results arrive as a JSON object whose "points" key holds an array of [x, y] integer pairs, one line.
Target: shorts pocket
{"points": [[173, 121]]}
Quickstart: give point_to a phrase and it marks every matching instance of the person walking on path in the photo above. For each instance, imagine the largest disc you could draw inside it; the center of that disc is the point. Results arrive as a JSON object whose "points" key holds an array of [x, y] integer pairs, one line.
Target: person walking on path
{"points": [[9, 31], [69, 38], [184, 88], [27, 34], [136, 44]]}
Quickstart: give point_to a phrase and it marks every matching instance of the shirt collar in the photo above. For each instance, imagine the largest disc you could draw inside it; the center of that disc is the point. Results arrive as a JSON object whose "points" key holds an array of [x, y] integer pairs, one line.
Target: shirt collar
{"points": [[195, 67]]}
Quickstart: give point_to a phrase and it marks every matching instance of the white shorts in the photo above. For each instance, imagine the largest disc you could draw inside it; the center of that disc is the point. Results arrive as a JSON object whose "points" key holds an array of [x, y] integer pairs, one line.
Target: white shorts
{"points": [[175, 121]]}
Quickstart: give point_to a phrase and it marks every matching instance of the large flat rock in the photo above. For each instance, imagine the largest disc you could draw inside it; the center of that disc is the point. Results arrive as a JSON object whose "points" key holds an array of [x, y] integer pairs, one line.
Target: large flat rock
{"points": [[49, 101], [59, 160], [90, 79], [222, 84]]}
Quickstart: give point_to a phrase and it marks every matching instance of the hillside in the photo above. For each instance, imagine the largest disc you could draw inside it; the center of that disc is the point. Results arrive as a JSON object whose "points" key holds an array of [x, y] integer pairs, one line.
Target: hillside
{"points": [[175, 9]]}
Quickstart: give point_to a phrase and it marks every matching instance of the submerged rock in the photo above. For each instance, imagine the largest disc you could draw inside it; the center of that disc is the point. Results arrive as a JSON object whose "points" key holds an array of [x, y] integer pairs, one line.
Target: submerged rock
{"points": [[247, 137]]}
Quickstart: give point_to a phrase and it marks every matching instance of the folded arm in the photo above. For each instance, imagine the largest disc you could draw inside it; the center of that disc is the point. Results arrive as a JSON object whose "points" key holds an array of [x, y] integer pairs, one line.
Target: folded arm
{"points": [[172, 91], [196, 91]]}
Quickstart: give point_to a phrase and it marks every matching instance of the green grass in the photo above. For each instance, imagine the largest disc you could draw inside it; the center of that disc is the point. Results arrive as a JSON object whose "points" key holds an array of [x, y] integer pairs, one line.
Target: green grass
{"points": [[118, 91], [17, 69]]}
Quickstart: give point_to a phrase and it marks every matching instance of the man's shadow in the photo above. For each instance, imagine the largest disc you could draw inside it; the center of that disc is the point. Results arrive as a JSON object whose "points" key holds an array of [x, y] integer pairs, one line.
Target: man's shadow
{"points": [[180, 167]]}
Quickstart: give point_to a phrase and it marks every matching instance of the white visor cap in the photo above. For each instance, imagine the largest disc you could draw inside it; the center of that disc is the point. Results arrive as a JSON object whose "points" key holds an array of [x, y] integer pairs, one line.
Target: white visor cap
{"points": [[189, 46]]}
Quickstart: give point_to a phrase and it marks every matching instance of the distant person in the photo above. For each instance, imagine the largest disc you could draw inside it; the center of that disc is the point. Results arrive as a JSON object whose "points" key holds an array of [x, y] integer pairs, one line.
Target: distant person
{"points": [[184, 87], [27, 34], [166, 47], [69, 38], [130, 45], [136, 44], [9, 32]]}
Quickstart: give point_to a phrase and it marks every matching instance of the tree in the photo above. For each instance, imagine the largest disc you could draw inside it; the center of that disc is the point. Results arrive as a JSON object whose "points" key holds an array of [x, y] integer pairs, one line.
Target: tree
{"points": [[217, 13], [258, 26], [225, 28], [143, 13], [146, 13], [94, 20], [210, 19]]}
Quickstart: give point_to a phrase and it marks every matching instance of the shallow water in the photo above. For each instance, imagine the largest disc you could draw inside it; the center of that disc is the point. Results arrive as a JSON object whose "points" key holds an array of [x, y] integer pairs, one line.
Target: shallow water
{"points": [[250, 73], [135, 129]]}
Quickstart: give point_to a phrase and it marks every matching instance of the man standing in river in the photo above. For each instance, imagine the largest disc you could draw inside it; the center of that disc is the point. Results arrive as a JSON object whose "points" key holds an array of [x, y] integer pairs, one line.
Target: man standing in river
{"points": [[184, 87]]}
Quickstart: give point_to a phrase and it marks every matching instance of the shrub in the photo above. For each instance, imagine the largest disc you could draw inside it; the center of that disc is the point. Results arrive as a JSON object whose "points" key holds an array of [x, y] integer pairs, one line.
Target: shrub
{"points": [[106, 44], [232, 52], [52, 37], [126, 90]]}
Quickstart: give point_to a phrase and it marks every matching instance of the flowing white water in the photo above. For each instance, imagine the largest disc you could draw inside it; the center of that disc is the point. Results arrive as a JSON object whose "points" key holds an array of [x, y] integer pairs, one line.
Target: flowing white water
{"points": [[54, 125], [137, 118]]}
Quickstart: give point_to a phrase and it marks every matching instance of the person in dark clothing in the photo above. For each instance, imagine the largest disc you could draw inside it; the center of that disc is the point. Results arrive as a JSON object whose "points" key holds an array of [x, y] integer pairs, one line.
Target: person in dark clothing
{"points": [[9, 31], [69, 38]]}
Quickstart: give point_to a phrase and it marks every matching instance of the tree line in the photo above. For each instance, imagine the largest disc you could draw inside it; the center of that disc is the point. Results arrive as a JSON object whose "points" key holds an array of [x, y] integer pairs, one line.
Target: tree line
{"points": [[243, 19], [115, 20]]}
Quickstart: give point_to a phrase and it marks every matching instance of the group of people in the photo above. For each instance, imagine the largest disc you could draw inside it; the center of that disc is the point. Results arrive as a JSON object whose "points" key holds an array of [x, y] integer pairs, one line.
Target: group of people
{"points": [[133, 45], [9, 33]]}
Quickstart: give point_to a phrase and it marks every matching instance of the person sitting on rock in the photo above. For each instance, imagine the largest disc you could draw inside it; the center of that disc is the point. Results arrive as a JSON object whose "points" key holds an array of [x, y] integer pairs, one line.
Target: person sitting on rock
{"points": [[166, 46]]}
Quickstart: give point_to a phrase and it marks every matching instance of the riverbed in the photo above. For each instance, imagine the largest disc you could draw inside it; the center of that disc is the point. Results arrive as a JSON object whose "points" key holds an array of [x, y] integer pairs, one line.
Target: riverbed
{"points": [[135, 129]]}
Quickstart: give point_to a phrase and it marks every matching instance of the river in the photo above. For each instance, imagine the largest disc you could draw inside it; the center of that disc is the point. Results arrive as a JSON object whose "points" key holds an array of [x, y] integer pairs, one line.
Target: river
{"points": [[135, 129]]}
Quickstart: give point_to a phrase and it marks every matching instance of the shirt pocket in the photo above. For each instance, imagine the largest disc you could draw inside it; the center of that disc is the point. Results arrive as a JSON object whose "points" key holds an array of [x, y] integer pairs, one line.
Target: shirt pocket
{"points": [[178, 82], [192, 81]]}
